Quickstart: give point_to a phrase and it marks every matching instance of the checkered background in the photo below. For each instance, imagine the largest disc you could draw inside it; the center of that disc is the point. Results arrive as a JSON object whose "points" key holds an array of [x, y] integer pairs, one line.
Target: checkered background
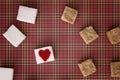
{"points": [[69, 48]]}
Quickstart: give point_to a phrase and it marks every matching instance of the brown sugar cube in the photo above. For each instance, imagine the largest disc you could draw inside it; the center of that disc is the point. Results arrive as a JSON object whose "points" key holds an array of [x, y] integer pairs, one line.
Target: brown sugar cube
{"points": [[115, 69], [87, 67], [114, 35], [88, 34], [69, 15]]}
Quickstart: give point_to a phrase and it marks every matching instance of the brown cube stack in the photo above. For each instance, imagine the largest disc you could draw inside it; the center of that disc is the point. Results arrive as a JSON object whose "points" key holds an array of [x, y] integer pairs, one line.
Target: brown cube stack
{"points": [[87, 67], [114, 35], [69, 15], [115, 69], [88, 34]]}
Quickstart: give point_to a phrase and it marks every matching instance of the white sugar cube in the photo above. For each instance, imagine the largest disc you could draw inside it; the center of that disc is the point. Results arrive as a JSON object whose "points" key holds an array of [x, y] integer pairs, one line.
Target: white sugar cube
{"points": [[6, 73], [44, 54], [14, 36], [27, 14]]}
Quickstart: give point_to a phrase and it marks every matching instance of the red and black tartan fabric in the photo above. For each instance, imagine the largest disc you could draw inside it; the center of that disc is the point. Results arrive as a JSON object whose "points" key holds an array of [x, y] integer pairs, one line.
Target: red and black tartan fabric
{"points": [[69, 48]]}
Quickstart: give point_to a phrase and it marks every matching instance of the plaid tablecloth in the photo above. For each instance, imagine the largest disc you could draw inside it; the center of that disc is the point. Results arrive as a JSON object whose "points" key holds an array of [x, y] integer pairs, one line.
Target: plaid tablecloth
{"points": [[69, 48]]}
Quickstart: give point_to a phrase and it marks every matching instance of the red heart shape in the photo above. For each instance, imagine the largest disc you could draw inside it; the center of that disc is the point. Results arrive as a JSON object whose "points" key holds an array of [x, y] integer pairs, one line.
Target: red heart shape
{"points": [[44, 54]]}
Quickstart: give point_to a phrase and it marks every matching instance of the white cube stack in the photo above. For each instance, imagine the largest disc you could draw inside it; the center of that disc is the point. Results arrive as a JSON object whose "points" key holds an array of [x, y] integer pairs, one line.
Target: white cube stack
{"points": [[14, 36], [6, 73], [27, 14]]}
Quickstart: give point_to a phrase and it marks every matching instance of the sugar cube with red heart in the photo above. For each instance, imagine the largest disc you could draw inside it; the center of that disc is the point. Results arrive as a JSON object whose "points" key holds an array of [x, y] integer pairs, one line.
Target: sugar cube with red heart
{"points": [[44, 55]]}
